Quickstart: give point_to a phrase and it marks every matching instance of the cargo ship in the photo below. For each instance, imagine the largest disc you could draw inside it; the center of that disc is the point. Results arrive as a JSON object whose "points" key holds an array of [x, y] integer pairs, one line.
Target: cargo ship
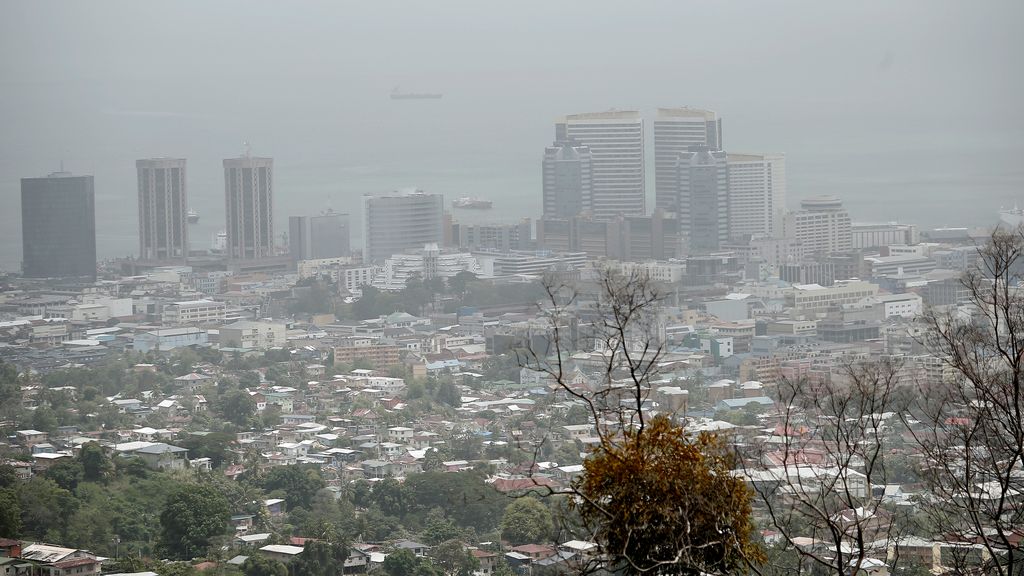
{"points": [[475, 203], [1012, 217], [398, 94], [193, 216]]}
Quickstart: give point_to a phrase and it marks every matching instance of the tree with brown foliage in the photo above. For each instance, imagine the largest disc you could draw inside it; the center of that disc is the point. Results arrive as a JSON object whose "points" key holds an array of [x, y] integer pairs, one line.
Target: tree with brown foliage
{"points": [[664, 501], [652, 498]]}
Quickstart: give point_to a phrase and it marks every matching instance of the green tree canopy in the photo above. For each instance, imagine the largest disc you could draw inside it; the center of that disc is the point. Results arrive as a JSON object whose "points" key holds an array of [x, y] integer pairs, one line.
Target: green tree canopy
{"points": [[526, 521], [320, 558], [453, 559], [237, 406], [259, 565], [299, 483], [192, 516], [400, 563], [95, 464]]}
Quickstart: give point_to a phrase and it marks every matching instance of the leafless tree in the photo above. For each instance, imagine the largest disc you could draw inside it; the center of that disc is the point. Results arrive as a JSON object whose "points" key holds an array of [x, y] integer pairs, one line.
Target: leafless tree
{"points": [[969, 425], [815, 472]]}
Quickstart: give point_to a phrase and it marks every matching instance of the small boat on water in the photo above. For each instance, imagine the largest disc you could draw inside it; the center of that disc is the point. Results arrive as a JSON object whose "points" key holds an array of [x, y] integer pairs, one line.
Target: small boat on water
{"points": [[472, 203], [193, 216]]}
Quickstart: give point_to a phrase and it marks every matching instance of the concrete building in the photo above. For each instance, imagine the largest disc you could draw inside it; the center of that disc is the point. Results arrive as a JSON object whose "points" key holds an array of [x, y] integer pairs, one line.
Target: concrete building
{"points": [[58, 226], [822, 225], [676, 130], [249, 200], [193, 312], [166, 339], [494, 237], [865, 235], [654, 237], [517, 263], [428, 263], [567, 180], [822, 273], [757, 194], [250, 335], [813, 298], [317, 237], [163, 209], [616, 143], [702, 199], [401, 221], [899, 265]]}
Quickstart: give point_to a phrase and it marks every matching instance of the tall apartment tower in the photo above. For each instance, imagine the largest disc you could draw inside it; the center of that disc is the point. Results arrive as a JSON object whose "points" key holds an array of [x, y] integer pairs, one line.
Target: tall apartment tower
{"points": [[249, 199], [58, 226], [567, 177], [702, 198], [757, 194], [316, 237], [400, 221], [676, 130], [163, 209], [616, 143]]}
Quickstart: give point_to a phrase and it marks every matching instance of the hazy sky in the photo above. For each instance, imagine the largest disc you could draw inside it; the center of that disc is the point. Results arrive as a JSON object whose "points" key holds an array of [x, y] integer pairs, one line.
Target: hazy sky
{"points": [[871, 100]]}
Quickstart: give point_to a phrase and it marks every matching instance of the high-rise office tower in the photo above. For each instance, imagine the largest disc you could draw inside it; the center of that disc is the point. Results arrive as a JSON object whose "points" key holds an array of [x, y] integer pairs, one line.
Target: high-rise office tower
{"points": [[249, 198], [757, 194], [163, 209], [616, 143], [316, 237], [58, 226], [702, 200], [567, 180], [675, 131], [404, 220]]}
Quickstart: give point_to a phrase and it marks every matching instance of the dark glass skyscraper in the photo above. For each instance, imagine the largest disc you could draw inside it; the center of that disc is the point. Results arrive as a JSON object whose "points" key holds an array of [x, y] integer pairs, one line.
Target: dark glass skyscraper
{"points": [[566, 180], [58, 226]]}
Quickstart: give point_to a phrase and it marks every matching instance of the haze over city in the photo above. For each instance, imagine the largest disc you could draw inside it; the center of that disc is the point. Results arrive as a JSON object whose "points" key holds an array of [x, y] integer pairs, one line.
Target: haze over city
{"points": [[906, 110]]}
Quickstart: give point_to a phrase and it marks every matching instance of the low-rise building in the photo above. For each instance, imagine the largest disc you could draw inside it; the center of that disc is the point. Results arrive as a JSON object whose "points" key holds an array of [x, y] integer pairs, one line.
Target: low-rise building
{"points": [[253, 335]]}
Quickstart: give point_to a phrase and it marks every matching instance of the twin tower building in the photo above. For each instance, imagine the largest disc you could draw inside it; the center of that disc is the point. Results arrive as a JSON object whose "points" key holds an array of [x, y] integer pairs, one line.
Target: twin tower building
{"points": [[704, 197], [163, 208]]}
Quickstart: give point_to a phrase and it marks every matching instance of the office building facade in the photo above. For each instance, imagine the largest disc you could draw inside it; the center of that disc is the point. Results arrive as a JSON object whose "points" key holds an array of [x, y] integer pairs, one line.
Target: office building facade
{"points": [[249, 199], [676, 130], [401, 221], [701, 202], [567, 180], [163, 208], [316, 237], [757, 194], [58, 226], [616, 143]]}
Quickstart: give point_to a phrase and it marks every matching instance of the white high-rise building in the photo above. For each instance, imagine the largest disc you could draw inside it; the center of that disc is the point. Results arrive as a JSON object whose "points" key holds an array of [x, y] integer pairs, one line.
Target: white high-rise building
{"points": [[757, 194], [676, 130], [822, 225], [163, 209], [249, 198], [400, 221], [616, 142]]}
